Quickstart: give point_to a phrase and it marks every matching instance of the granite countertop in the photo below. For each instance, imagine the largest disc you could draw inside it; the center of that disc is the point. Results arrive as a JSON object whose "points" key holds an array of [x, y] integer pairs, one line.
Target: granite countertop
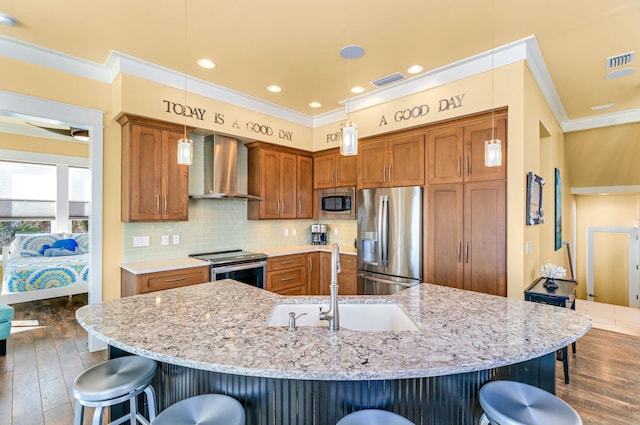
{"points": [[221, 326]]}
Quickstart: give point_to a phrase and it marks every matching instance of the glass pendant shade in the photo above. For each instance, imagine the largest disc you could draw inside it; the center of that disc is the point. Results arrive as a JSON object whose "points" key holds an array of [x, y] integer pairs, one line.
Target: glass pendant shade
{"points": [[185, 151], [349, 140], [493, 153]]}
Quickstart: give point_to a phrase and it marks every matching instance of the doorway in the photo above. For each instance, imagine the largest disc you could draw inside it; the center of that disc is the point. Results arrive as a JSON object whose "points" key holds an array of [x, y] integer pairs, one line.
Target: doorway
{"points": [[27, 107], [612, 266]]}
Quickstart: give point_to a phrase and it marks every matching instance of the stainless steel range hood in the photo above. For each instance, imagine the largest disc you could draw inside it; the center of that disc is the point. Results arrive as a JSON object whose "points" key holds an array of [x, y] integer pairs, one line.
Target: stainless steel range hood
{"points": [[221, 169]]}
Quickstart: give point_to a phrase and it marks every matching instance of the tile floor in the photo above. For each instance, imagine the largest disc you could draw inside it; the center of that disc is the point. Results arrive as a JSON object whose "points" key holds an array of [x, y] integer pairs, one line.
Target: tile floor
{"points": [[610, 317]]}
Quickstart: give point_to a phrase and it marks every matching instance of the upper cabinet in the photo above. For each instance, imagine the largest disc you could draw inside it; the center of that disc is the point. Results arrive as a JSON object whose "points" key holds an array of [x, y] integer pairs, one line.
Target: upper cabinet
{"points": [[154, 186], [391, 161], [283, 178], [456, 153], [330, 169]]}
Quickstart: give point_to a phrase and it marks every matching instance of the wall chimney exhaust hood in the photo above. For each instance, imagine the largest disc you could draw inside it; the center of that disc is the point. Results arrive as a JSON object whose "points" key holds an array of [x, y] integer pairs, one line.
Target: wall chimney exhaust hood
{"points": [[221, 169]]}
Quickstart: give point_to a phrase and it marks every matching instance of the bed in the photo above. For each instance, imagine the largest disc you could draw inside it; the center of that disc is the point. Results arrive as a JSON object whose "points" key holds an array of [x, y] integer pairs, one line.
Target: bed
{"points": [[35, 268]]}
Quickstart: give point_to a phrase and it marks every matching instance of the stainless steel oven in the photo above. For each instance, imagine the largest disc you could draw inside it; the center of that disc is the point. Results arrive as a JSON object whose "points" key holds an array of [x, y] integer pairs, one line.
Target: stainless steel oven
{"points": [[243, 266]]}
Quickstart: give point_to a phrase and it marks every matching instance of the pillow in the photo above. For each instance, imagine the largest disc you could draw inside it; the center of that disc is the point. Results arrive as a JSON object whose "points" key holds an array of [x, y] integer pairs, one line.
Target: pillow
{"points": [[66, 244], [58, 252], [30, 244], [82, 239]]}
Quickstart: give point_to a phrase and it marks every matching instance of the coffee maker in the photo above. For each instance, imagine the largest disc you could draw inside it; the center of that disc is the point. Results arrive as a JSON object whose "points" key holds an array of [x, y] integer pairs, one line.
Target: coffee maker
{"points": [[318, 234]]}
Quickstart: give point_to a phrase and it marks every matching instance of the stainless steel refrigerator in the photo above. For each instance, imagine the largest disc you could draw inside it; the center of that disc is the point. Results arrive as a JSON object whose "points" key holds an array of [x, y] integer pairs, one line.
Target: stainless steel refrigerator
{"points": [[389, 239]]}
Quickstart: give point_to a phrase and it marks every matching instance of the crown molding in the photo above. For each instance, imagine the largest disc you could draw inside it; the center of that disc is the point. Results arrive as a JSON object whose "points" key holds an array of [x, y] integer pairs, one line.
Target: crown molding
{"points": [[525, 49]]}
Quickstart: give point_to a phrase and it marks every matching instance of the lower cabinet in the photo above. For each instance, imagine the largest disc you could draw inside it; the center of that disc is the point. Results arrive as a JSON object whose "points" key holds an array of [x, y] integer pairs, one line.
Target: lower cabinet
{"points": [[134, 284], [287, 274], [347, 281]]}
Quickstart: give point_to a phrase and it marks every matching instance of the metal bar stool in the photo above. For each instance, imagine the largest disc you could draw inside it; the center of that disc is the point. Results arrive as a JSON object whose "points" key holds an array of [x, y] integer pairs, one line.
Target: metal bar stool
{"points": [[112, 382], [515, 403], [205, 409], [374, 417]]}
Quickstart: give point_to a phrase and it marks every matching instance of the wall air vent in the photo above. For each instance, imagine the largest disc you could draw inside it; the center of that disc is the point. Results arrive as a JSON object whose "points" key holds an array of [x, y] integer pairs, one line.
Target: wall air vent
{"points": [[388, 79], [620, 60]]}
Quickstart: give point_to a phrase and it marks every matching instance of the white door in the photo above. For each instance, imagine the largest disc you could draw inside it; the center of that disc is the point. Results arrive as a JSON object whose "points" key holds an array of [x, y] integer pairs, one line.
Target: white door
{"points": [[612, 266]]}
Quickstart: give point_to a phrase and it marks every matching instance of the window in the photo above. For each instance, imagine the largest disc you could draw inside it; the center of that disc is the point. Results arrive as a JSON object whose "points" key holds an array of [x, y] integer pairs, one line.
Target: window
{"points": [[43, 198]]}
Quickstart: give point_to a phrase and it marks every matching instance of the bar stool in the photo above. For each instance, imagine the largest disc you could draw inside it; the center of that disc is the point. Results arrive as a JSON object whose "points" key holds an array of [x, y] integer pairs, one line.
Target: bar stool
{"points": [[515, 403], [205, 409], [374, 417], [113, 382]]}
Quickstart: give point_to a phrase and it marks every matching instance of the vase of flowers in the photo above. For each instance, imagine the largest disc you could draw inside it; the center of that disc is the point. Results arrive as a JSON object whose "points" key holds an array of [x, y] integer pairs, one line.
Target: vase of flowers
{"points": [[551, 272]]}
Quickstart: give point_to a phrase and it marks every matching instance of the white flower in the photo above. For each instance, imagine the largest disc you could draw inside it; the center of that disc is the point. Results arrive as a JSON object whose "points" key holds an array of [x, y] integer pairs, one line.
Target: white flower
{"points": [[551, 271]]}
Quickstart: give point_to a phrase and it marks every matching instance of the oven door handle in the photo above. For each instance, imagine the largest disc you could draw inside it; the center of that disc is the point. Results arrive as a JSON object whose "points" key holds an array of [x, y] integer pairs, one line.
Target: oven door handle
{"points": [[238, 267]]}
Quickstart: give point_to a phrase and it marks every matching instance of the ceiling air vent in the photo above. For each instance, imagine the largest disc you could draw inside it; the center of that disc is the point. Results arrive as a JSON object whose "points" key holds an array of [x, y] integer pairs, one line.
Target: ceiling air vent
{"points": [[620, 60], [388, 79]]}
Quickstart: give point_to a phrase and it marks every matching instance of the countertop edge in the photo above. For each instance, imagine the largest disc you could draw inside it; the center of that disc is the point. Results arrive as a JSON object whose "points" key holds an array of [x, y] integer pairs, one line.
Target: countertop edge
{"points": [[155, 266]]}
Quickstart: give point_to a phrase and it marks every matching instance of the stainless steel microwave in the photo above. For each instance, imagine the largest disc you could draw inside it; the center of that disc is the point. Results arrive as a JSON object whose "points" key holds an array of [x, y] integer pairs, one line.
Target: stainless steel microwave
{"points": [[338, 203]]}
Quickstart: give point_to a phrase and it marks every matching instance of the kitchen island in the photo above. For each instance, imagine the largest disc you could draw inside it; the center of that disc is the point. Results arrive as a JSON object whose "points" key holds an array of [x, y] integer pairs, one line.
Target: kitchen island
{"points": [[213, 337]]}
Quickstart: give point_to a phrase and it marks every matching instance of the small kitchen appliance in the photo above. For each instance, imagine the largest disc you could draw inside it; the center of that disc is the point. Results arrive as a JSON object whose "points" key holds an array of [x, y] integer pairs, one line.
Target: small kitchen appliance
{"points": [[319, 234]]}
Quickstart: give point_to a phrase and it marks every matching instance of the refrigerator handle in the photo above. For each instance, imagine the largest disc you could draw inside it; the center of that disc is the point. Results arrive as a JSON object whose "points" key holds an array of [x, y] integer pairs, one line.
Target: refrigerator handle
{"points": [[389, 282], [383, 230]]}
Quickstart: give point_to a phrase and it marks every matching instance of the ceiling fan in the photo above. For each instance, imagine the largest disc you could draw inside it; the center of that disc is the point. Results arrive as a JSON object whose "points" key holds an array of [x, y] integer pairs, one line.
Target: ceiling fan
{"points": [[77, 133]]}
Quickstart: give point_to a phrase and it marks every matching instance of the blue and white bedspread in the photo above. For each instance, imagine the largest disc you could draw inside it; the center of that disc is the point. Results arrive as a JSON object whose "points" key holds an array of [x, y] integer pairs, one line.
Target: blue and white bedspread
{"points": [[23, 274]]}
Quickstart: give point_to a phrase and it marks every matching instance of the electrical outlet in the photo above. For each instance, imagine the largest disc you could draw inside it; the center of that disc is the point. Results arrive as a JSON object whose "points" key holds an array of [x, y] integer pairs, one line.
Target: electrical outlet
{"points": [[286, 232], [165, 240], [176, 239], [335, 231], [527, 247], [293, 232], [139, 241]]}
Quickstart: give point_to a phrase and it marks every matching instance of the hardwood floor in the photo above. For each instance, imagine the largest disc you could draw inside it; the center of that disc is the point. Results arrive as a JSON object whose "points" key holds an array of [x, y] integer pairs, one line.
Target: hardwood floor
{"points": [[42, 361]]}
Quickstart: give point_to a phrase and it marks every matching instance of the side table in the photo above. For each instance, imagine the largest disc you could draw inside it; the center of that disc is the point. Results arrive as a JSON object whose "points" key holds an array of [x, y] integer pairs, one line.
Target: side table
{"points": [[563, 296]]}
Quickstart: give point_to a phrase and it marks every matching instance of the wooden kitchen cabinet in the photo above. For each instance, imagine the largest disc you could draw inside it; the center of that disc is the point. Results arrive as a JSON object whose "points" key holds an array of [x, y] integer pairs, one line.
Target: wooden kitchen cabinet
{"points": [[467, 236], [134, 284], [347, 279], [313, 273], [330, 169], [455, 152], [287, 274], [154, 186], [392, 161], [283, 178]]}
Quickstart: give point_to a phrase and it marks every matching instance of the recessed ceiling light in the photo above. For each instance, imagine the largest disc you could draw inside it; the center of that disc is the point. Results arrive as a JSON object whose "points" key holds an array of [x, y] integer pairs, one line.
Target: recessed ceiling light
{"points": [[206, 63], [7, 20], [619, 73], [357, 89], [414, 69], [315, 104], [274, 89], [600, 107]]}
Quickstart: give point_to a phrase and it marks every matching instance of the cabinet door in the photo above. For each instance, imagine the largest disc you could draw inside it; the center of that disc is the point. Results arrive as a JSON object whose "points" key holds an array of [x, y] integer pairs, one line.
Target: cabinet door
{"points": [[406, 161], [325, 273], [175, 180], [445, 243], [474, 137], [347, 278], [484, 255], [313, 277], [288, 185], [145, 173], [444, 155], [324, 170], [347, 170], [305, 187], [269, 183], [372, 164]]}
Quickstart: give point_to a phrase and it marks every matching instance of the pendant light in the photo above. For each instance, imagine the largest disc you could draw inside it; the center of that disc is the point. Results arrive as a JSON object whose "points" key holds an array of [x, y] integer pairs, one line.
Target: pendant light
{"points": [[493, 147], [185, 145], [349, 139]]}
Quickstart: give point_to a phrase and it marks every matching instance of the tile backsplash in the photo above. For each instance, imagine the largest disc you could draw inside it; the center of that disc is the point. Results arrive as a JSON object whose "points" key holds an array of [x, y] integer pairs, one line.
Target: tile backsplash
{"points": [[217, 224]]}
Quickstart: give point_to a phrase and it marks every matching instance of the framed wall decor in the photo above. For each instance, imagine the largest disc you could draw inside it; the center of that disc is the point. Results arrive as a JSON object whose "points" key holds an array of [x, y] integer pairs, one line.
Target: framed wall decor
{"points": [[557, 185], [535, 214]]}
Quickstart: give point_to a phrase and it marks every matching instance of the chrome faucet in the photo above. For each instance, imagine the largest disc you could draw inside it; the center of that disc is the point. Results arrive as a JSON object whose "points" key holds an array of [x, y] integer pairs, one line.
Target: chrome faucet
{"points": [[332, 314]]}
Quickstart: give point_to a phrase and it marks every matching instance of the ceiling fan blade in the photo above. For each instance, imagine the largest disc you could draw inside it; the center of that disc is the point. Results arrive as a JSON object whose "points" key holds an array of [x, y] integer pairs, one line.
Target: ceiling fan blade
{"points": [[79, 133], [61, 131]]}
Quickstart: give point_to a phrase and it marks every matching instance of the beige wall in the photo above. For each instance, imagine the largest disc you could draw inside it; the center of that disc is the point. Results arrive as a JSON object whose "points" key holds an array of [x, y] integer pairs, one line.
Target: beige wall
{"points": [[47, 146], [514, 88]]}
